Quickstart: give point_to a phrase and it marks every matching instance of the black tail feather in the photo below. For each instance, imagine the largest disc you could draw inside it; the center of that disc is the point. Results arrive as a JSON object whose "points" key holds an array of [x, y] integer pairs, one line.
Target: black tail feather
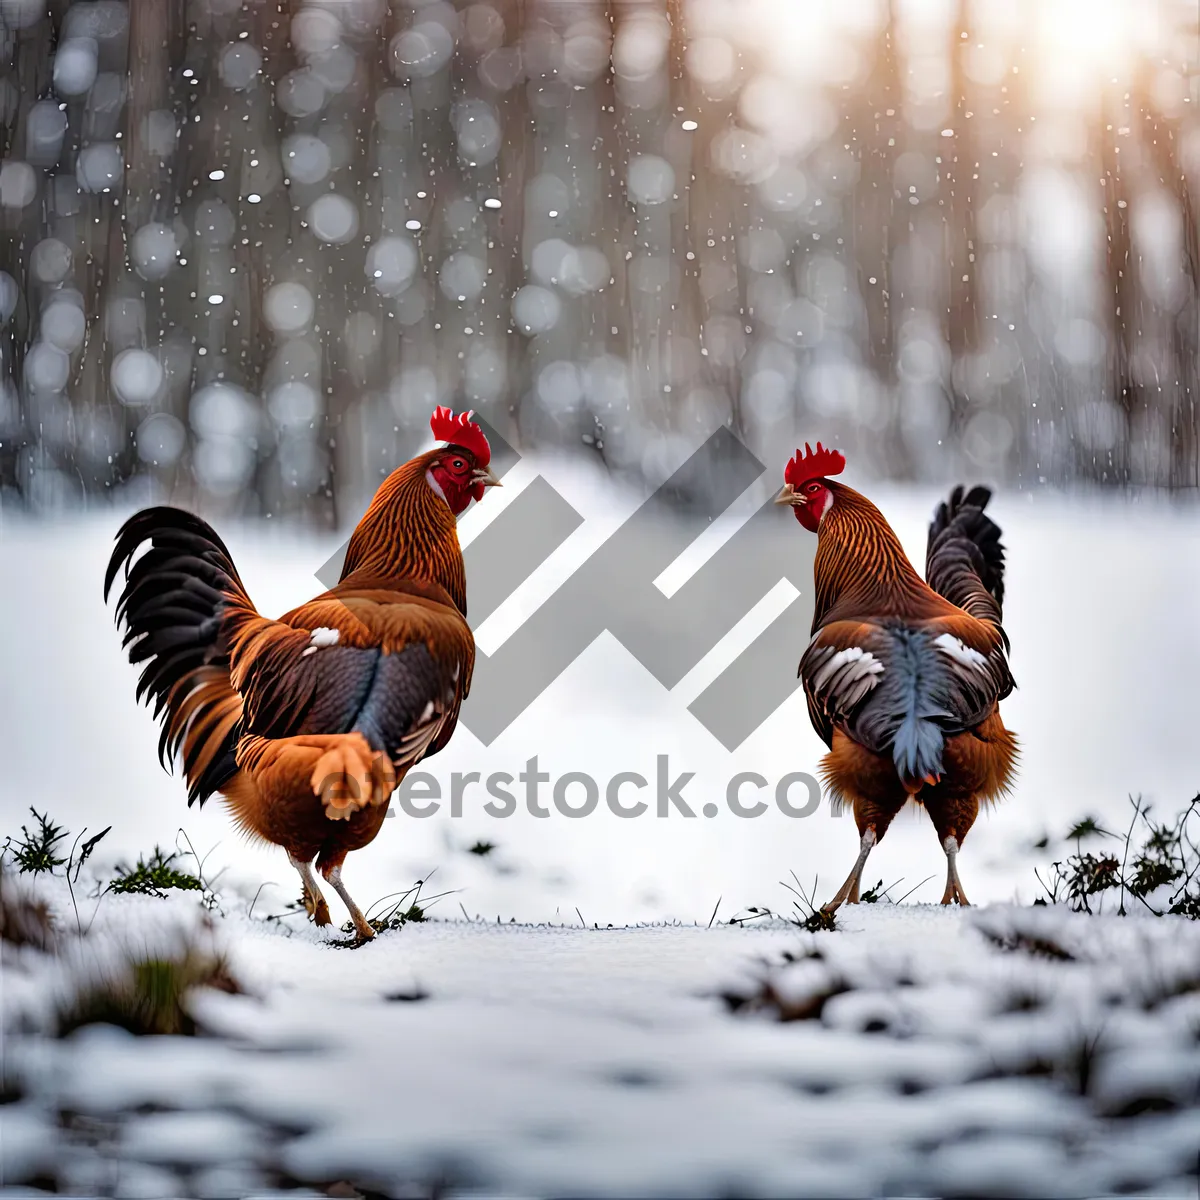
{"points": [[171, 606], [965, 557]]}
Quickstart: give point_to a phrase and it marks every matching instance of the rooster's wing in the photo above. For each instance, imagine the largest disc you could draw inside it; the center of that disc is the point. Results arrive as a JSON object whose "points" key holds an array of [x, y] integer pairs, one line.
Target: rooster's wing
{"points": [[902, 686], [391, 664]]}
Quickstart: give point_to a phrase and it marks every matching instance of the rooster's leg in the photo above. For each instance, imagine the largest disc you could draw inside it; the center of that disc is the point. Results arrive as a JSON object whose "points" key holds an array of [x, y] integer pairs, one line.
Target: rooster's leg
{"points": [[954, 889], [314, 902], [356, 914], [849, 890]]}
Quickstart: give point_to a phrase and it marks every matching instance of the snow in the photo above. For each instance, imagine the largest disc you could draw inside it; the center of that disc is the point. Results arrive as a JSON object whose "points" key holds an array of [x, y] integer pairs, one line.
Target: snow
{"points": [[535, 309], [463, 276], [75, 66], [136, 376], [47, 368], [542, 1060], [99, 167], [333, 218], [63, 323], [8, 296], [193, 1139], [391, 264], [153, 250], [239, 65], [50, 261], [18, 184], [306, 158], [288, 308], [650, 179]]}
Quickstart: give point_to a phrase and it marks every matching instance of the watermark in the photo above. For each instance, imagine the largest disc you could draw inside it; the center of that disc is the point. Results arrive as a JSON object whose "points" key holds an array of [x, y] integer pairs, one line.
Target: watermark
{"points": [[614, 590], [625, 794]]}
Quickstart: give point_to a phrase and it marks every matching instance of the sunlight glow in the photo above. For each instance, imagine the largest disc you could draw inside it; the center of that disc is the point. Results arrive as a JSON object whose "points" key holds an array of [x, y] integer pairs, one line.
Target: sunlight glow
{"points": [[1085, 36]]}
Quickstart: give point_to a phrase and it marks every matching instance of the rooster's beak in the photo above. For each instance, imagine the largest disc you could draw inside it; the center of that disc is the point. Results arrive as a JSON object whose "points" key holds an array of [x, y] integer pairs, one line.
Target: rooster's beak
{"points": [[789, 495], [486, 476]]}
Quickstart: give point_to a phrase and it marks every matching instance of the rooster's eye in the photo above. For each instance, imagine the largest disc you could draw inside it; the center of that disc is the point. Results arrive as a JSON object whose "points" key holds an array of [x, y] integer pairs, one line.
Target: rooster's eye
{"points": [[458, 464]]}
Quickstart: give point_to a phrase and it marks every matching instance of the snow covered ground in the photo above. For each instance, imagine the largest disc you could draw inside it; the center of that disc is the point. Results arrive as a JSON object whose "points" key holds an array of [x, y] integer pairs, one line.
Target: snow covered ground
{"points": [[1000, 1051]]}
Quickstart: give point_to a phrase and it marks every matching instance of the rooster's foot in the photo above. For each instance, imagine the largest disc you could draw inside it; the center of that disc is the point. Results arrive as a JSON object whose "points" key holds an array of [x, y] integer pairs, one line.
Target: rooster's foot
{"points": [[362, 926], [317, 908], [848, 892], [314, 902]]}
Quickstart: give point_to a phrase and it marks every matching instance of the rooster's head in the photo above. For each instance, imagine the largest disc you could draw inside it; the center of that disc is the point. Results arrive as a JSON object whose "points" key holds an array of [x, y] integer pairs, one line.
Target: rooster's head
{"points": [[806, 484], [459, 471]]}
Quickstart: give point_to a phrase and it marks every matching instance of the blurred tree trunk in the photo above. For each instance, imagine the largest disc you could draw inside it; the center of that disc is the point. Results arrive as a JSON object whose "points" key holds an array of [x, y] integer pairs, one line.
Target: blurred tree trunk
{"points": [[877, 131], [1161, 139], [1121, 283], [28, 70], [959, 173]]}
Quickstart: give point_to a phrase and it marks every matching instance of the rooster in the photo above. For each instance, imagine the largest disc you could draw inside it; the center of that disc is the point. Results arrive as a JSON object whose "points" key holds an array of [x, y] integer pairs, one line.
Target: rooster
{"points": [[306, 724], [904, 677]]}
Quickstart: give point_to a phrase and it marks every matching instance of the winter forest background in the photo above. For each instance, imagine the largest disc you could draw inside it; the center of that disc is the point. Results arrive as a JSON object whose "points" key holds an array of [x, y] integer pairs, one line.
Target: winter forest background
{"points": [[247, 246]]}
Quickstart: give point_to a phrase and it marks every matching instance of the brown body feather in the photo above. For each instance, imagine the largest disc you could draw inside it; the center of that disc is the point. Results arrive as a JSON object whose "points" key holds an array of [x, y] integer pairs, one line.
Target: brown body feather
{"points": [[304, 724]]}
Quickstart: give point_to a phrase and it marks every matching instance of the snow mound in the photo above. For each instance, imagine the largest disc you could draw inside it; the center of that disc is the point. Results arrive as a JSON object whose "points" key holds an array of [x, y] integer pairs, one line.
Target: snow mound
{"points": [[1002, 1051]]}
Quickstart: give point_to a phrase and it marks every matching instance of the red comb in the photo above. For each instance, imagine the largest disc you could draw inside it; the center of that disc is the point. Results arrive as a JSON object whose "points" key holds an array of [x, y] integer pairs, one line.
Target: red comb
{"points": [[814, 464], [461, 431]]}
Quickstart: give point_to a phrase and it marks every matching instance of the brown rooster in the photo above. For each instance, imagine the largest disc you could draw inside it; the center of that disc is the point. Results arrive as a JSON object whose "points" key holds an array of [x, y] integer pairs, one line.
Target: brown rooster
{"points": [[904, 677], [306, 724]]}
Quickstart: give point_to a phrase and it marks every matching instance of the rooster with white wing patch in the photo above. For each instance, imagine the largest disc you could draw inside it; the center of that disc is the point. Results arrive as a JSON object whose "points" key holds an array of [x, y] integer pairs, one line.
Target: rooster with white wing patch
{"points": [[903, 675]]}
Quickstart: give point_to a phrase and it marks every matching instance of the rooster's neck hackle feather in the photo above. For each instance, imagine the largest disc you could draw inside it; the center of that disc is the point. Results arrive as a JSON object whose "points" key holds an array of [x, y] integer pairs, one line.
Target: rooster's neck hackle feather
{"points": [[409, 532], [861, 568]]}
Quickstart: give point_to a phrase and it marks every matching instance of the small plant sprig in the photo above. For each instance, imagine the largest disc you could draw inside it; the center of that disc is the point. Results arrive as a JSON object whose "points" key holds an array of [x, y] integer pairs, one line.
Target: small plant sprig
{"points": [[36, 853], [39, 852], [879, 893], [405, 907], [1154, 856], [154, 876], [208, 895], [75, 865], [811, 918], [805, 914]]}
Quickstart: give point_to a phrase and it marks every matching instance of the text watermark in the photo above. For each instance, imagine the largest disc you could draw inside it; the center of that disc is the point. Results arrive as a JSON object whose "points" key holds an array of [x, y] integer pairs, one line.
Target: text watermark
{"points": [[626, 794]]}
